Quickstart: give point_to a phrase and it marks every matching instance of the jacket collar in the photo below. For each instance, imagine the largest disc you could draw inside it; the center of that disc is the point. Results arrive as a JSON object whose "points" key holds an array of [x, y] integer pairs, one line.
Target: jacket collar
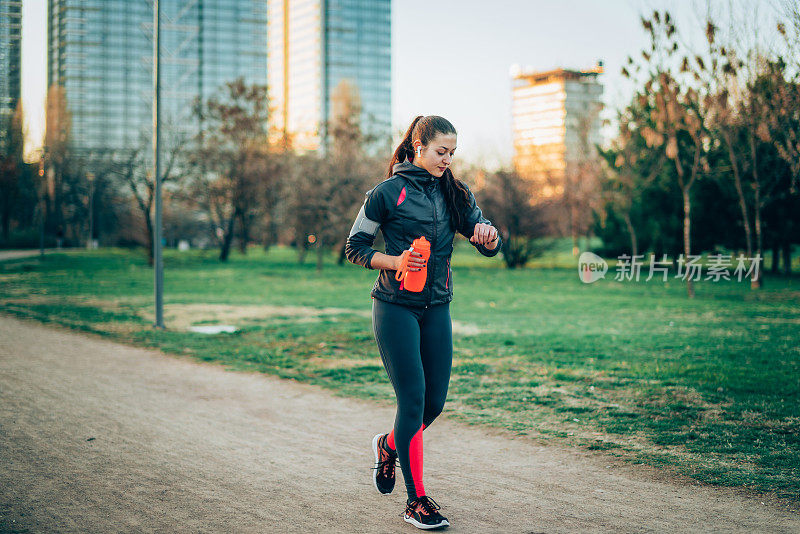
{"points": [[415, 174]]}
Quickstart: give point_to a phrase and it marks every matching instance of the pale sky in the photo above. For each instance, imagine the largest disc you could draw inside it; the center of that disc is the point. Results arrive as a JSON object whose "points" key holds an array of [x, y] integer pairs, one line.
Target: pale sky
{"points": [[452, 57]]}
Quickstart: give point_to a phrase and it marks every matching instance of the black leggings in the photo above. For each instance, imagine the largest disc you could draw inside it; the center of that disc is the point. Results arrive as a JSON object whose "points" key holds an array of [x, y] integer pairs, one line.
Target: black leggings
{"points": [[416, 346]]}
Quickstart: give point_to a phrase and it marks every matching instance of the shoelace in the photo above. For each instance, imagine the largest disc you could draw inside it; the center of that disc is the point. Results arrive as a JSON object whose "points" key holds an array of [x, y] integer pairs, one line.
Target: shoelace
{"points": [[387, 466], [428, 505]]}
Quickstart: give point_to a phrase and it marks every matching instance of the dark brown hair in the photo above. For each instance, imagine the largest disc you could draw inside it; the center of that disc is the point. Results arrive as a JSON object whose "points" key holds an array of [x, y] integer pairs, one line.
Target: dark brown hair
{"points": [[425, 128]]}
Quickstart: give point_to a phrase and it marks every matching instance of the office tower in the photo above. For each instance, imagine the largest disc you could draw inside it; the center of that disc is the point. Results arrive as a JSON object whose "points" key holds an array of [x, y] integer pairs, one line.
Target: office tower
{"points": [[313, 45], [556, 123], [10, 59], [101, 53]]}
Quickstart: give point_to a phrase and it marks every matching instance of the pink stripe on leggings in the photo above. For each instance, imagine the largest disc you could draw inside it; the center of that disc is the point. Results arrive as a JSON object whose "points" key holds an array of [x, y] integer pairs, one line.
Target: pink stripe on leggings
{"points": [[415, 459], [390, 439]]}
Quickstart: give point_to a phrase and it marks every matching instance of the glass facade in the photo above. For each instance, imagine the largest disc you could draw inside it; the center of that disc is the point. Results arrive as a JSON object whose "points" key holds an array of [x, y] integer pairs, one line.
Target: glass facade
{"points": [[554, 116], [358, 48], [313, 45], [295, 68], [10, 59], [101, 52]]}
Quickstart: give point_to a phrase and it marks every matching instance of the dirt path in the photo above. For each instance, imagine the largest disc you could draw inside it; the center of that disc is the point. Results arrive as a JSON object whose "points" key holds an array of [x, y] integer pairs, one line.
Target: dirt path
{"points": [[100, 437], [26, 253]]}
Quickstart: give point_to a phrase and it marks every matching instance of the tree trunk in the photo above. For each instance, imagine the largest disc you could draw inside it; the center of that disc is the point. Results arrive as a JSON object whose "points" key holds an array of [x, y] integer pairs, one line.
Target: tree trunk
{"points": [[47, 206], [632, 233], [755, 280], [272, 232], [9, 179], [776, 258], [58, 214], [687, 209], [740, 193], [342, 255], [227, 239], [301, 252], [244, 234], [787, 257], [6, 220], [516, 252], [573, 228], [687, 221], [320, 255], [589, 236]]}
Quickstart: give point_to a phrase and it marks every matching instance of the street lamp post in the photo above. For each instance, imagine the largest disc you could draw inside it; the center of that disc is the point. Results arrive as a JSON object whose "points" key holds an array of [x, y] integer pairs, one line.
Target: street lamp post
{"points": [[41, 190], [90, 242], [157, 260]]}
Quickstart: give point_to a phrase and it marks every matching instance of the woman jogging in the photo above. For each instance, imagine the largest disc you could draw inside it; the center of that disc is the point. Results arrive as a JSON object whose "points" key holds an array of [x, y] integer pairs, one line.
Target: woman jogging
{"points": [[419, 198]]}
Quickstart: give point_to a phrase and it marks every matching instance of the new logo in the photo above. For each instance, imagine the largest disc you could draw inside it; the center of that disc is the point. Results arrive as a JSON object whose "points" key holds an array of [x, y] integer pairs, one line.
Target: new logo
{"points": [[591, 267]]}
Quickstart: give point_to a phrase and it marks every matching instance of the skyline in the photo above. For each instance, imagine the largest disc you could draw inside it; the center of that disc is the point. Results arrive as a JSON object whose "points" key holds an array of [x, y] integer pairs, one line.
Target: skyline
{"points": [[103, 61], [314, 47], [465, 78]]}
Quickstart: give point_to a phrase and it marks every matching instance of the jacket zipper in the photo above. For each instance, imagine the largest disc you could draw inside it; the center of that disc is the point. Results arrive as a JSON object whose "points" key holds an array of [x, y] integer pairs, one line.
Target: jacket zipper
{"points": [[435, 224], [447, 282]]}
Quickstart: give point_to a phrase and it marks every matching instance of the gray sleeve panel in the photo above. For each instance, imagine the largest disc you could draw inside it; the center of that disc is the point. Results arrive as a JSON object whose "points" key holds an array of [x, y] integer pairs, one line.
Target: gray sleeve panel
{"points": [[363, 224]]}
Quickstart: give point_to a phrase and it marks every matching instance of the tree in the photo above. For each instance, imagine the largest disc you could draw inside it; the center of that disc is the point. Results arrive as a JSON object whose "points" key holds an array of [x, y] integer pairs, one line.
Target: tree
{"points": [[230, 159], [785, 116], [677, 118], [58, 124], [133, 168], [728, 119], [521, 223], [351, 163], [66, 200], [273, 170], [328, 188], [582, 178], [775, 123], [11, 167], [708, 115], [630, 170], [753, 110]]}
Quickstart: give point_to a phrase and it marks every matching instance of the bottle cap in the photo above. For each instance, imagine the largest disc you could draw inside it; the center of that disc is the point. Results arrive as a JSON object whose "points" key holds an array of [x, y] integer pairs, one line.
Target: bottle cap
{"points": [[421, 242]]}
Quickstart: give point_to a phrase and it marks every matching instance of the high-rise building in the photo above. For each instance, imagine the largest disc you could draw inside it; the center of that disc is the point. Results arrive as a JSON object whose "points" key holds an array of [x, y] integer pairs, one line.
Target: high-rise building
{"points": [[313, 45], [556, 124], [10, 59], [101, 53]]}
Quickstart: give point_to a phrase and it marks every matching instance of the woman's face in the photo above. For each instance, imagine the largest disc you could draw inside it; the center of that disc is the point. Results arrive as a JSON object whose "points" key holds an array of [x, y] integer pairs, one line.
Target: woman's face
{"points": [[437, 155]]}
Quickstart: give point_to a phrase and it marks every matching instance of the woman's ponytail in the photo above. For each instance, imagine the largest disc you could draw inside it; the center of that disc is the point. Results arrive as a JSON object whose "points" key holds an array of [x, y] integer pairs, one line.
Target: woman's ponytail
{"points": [[405, 150]]}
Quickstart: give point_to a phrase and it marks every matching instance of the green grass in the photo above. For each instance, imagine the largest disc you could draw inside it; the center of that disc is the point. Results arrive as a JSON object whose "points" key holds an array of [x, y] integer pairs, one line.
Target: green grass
{"points": [[710, 386]]}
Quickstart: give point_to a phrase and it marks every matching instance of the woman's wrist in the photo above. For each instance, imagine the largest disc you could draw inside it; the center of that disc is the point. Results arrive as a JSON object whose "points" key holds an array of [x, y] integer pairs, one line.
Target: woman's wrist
{"points": [[385, 261]]}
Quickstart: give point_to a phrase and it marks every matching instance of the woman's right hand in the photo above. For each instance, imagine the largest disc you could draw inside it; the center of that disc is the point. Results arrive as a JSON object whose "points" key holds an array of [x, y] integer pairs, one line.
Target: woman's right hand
{"points": [[415, 261], [385, 261]]}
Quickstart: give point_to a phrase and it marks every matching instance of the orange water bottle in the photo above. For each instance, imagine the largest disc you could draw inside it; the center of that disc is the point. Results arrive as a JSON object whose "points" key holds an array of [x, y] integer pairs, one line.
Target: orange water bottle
{"points": [[414, 280]]}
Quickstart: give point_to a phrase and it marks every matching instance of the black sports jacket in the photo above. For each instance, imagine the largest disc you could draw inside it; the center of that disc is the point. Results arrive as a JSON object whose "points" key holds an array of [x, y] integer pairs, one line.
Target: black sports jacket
{"points": [[404, 207]]}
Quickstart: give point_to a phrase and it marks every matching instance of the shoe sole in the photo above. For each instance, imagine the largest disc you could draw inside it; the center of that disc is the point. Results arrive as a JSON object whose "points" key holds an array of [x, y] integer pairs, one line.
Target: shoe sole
{"points": [[377, 461], [423, 526]]}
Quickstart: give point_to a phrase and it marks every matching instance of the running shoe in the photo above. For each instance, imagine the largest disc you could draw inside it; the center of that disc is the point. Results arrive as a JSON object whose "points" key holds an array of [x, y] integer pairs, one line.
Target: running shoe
{"points": [[423, 513], [385, 460]]}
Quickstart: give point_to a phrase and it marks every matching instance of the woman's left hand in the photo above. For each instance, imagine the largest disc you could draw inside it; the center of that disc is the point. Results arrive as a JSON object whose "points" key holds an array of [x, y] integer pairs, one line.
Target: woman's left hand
{"points": [[484, 234]]}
